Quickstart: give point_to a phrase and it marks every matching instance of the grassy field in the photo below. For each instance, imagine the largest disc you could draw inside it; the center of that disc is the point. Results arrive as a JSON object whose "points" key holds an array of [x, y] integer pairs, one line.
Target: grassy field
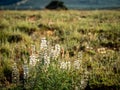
{"points": [[94, 33]]}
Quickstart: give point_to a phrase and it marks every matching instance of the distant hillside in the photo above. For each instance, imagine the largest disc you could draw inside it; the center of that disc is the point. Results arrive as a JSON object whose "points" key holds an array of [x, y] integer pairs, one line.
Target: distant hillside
{"points": [[8, 2], [71, 4]]}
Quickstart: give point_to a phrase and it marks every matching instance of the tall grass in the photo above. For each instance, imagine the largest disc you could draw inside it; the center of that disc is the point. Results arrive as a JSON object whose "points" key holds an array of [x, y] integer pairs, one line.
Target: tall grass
{"points": [[95, 33]]}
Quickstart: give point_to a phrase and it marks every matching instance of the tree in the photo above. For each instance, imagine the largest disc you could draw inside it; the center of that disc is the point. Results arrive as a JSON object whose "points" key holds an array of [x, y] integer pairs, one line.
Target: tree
{"points": [[56, 4]]}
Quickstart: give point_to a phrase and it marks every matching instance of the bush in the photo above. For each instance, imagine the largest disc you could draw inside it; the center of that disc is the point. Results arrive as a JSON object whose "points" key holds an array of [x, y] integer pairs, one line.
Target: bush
{"points": [[58, 5], [5, 51], [6, 71], [15, 38]]}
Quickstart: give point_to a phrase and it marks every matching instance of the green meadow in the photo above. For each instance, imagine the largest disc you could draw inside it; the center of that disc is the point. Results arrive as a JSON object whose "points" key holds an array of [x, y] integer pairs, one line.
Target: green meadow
{"points": [[94, 33]]}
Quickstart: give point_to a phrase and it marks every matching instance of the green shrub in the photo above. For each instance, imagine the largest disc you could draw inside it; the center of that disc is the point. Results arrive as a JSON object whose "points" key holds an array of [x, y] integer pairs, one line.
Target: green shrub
{"points": [[15, 38], [54, 78], [7, 69], [5, 51]]}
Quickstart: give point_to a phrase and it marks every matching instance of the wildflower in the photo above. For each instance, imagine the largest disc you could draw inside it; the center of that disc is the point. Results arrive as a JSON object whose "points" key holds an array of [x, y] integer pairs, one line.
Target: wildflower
{"points": [[26, 71], [57, 50], [65, 65], [68, 65], [83, 84], [52, 53], [57, 47], [76, 88], [43, 43], [46, 60], [33, 60], [15, 74]]}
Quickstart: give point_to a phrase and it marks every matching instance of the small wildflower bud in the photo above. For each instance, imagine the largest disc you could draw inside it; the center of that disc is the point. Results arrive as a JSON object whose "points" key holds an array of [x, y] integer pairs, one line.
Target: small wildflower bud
{"points": [[57, 50]]}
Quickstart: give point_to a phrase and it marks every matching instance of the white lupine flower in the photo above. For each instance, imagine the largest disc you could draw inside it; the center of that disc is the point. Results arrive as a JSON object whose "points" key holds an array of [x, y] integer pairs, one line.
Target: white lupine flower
{"points": [[33, 60], [15, 73], [57, 48], [55, 52], [68, 65], [82, 84], [25, 68], [47, 61], [65, 65], [15, 69], [52, 52], [76, 88], [26, 71], [84, 80], [45, 58], [43, 43]]}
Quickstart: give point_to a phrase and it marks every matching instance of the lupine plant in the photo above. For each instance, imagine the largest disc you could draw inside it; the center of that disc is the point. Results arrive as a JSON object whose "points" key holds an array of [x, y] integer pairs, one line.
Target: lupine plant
{"points": [[53, 73], [15, 74]]}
